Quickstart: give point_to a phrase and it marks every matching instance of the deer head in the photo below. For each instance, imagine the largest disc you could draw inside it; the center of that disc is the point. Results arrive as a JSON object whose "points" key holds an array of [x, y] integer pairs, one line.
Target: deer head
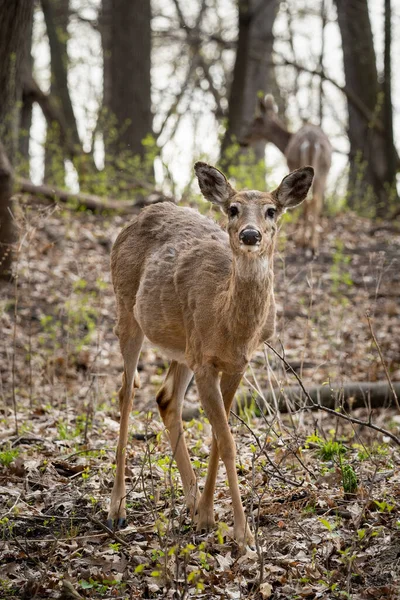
{"points": [[253, 215], [264, 123]]}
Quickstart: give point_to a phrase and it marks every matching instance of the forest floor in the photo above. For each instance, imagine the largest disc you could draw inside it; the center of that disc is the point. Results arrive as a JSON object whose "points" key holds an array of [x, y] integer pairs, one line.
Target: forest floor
{"points": [[322, 493]]}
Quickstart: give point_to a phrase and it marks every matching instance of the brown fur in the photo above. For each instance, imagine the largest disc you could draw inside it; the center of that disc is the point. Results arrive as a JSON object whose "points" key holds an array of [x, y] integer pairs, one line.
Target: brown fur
{"points": [[309, 146], [207, 301]]}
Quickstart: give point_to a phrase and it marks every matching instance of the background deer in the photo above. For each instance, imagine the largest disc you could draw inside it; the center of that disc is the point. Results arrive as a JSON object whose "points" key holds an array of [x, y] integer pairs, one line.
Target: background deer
{"points": [[309, 146], [206, 298]]}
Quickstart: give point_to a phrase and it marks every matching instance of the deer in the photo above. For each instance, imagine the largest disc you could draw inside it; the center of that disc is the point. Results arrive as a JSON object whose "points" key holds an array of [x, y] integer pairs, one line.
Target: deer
{"points": [[205, 297], [308, 146]]}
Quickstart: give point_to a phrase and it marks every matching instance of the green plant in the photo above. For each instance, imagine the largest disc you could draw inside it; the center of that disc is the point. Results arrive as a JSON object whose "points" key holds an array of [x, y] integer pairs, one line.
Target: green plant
{"points": [[331, 449], [384, 506], [102, 587], [339, 272], [329, 526], [349, 478], [8, 455]]}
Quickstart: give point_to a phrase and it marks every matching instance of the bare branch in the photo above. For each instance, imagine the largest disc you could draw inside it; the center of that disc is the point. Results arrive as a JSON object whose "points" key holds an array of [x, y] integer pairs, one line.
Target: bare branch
{"points": [[88, 201], [382, 361], [350, 95], [319, 406]]}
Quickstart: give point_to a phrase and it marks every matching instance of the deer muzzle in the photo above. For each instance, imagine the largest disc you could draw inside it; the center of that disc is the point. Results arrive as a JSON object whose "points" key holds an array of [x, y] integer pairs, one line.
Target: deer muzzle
{"points": [[250, 236]]}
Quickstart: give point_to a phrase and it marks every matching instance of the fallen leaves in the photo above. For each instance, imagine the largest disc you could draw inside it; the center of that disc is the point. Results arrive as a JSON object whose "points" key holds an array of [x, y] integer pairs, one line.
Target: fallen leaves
{"points": [[64, 372]]}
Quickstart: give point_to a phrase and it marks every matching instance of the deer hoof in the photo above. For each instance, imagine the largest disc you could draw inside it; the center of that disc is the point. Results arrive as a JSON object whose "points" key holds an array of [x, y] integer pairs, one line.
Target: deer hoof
{"points": [[204, 521], [244, 539], [116, 524]]}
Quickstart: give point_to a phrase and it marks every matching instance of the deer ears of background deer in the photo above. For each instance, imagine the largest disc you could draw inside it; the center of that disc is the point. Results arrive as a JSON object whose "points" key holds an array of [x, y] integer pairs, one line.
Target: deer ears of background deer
{"points": [[214, 185], [266, 104], [293, 188]]}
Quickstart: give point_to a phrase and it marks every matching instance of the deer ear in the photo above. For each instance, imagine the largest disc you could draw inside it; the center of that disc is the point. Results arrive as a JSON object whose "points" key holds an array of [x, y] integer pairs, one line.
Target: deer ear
{"points": [[293, 188], [213, 184], [269, 103]]}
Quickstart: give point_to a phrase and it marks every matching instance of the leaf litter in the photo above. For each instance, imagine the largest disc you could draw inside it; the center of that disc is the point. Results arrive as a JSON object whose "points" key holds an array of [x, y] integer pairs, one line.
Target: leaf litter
{"points": [[61, 369]]}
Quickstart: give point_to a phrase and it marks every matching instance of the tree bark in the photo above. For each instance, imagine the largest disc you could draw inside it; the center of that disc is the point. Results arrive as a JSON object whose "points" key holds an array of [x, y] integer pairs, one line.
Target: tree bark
{"points": [[390, 150], [83, 161], [26, 110], [57, 24], [252, 75], [370, 178], [126, 41], [15, 21]]}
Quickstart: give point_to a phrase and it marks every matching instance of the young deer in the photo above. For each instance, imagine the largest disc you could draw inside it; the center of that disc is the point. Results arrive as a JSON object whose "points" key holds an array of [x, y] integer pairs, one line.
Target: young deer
{"points": [[205, 297], [309, 146]]}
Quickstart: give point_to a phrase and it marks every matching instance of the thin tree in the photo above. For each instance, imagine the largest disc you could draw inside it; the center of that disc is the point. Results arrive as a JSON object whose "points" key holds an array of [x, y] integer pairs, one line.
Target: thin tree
{"points": [[126, 40], [390, 150], [371, 174], [253, 74], [15, 22], [57, 17]]}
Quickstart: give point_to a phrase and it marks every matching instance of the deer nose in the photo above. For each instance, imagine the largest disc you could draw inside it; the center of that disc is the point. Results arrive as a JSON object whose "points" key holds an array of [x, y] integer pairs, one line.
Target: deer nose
{"points": [[250, 236]]}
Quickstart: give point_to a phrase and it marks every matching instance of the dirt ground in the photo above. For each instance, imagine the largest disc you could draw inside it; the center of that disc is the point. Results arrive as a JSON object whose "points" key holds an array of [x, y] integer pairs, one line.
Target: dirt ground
{"points": [[60, 371]]}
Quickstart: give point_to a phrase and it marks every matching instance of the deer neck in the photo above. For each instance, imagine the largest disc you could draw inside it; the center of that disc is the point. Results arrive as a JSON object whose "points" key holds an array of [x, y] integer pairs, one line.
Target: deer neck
{"points": [[279, 136], [249, 292]]}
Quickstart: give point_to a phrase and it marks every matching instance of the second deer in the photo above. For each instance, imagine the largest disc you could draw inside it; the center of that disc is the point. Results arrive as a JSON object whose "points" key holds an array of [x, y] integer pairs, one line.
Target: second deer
{"points": [[309, 146], [205, 298]]}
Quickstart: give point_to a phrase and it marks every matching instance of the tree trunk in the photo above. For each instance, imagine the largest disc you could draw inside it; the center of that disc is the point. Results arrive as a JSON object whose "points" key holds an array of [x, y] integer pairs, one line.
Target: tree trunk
{"points": [[252, 75], [26, 110], [390, 150], [83, 161], [57, 19], [15, 21], [370, 178], [126, 40]]}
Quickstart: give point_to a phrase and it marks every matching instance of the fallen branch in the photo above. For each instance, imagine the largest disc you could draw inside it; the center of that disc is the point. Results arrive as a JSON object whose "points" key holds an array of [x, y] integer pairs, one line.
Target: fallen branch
{"points": [[392, 389], [352, 395], [109, 531], [316, 405], [81, 200]]}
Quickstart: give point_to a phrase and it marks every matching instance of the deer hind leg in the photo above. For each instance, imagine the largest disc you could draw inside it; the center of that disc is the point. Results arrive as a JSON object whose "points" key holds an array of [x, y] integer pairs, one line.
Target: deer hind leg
{"points": [[130, 339], [170, 400], [213, 404], [205, 511]]}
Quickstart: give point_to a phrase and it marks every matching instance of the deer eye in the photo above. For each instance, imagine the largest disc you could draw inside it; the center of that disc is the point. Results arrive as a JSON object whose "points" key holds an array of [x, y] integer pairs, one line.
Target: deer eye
{"points": [[270, 213], [233, 211]]}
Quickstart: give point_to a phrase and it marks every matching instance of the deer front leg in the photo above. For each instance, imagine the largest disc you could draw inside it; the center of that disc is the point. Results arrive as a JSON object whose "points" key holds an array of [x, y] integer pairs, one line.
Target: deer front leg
{"points": [[205, 511], [213, 404], [131, 343], [169, 399]]}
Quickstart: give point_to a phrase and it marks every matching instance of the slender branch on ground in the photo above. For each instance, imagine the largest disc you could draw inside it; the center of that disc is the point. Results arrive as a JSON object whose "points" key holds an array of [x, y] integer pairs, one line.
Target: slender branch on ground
{"points": [[278, 473], [80, 200], [367, 314], [109, 531], [317, 405]]}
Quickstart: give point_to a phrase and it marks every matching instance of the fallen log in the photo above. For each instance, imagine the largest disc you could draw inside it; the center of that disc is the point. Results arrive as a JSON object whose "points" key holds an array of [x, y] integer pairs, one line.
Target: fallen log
{"points": [[350, 396], [82, 200]]}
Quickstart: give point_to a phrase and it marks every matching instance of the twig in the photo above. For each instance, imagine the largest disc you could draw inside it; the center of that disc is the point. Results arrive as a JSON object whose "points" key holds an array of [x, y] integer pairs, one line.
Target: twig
{"points": [[278, 473], [335, 413], [355, 100], [367, 314], [109, 531], [11, 509]]}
